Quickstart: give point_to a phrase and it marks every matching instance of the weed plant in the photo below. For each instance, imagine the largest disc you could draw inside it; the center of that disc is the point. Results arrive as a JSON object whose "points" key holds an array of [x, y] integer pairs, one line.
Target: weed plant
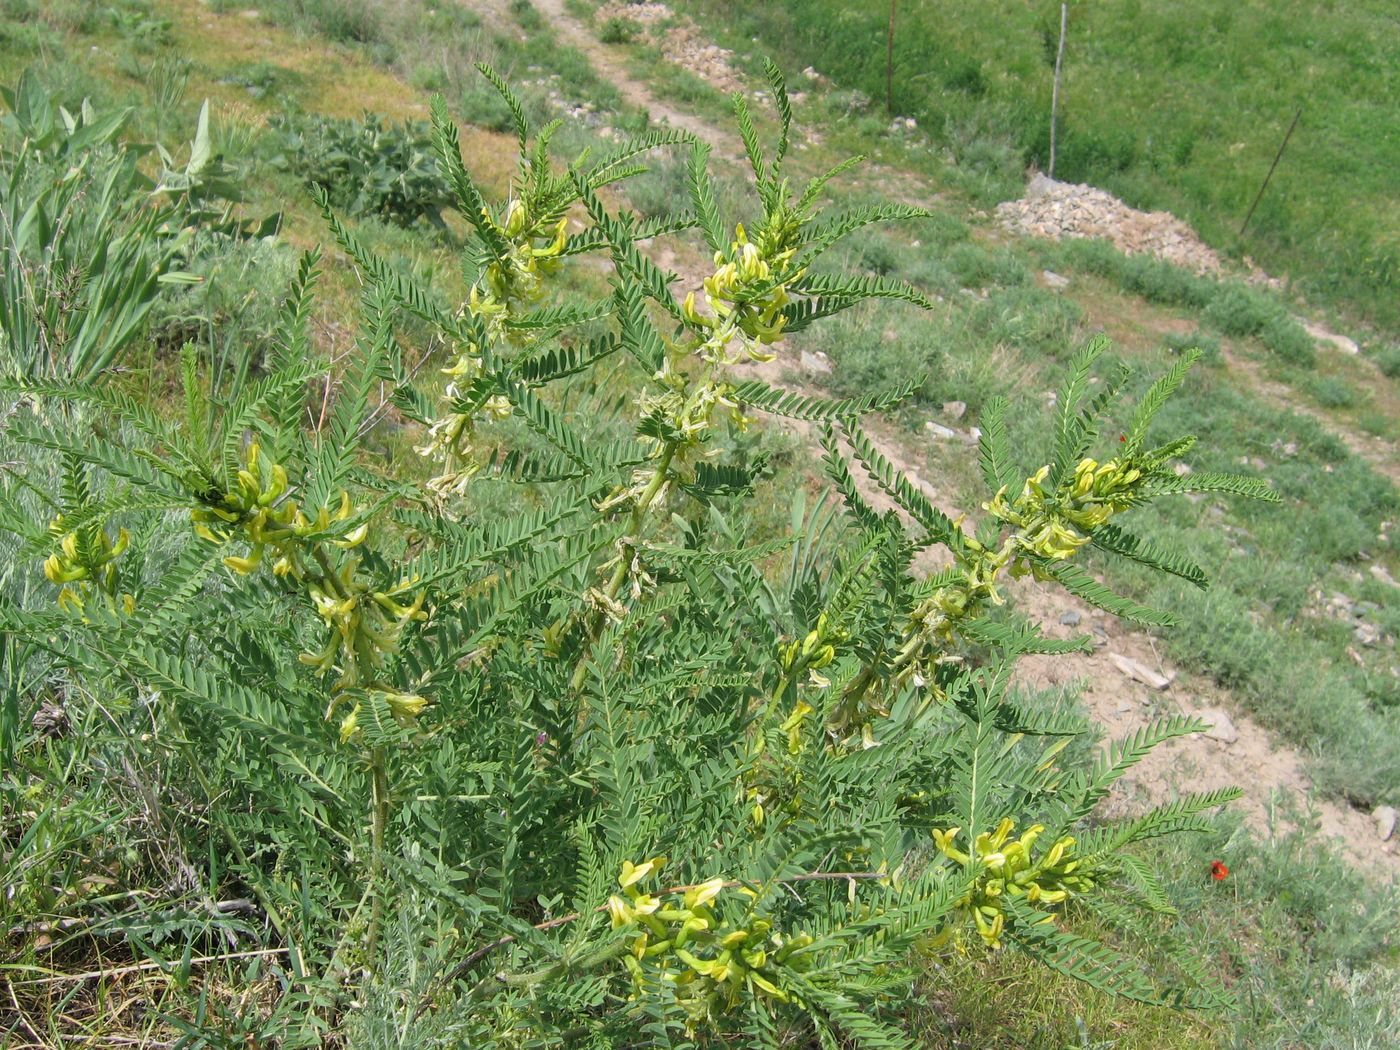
{"points": [[367, 167], [610, 766]]}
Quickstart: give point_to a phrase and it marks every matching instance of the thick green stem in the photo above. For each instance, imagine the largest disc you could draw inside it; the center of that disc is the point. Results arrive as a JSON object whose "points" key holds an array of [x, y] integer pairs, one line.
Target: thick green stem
{"points": [[378, 772], [619, 576]]}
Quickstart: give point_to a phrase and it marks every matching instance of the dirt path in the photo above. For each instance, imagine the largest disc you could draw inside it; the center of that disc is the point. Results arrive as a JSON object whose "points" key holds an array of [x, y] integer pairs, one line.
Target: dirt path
{"points": [[1251, 760], [611, 66]]}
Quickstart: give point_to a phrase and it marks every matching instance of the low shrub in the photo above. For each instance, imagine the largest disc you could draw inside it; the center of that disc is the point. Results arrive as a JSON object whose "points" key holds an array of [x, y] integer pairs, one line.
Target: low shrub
{"points": [[1238, 310], [1288, 340], [367, 167], [1155, 280], [1387, 359], [977, 267], [1208, 345], [618, 30], [1333, 392]]}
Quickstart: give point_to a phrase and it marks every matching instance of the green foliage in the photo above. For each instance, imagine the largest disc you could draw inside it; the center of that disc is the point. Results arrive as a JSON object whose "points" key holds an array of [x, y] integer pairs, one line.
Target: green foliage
{"points": [[1237, 310], [612, 765], [83, 253], [1208, 346], [1332, 392], [618, 30], [978, 79], [231, 310], [367, 167], [88, 239], [1387, 359]]}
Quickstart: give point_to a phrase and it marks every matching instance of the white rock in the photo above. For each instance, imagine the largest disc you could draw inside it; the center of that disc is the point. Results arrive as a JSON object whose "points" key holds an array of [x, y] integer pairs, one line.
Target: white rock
{"points": [[939, 432], [1054, 280], [1379, 572], [815, 363], [1367, 633], [1140, 672], [1384, 816], [955, 409], [1181, 469], [1221, 728]]}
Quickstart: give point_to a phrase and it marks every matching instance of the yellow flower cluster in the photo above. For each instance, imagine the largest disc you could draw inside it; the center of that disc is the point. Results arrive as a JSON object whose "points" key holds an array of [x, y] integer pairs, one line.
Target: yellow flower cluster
{"points": [[710, 964], [1051, 525], [506, 284], [519, 277], [1007, 869], [259, 510], [746, 295], [404, 708], [85, 565], [363, 624], [1056, 524], [815, 651]]}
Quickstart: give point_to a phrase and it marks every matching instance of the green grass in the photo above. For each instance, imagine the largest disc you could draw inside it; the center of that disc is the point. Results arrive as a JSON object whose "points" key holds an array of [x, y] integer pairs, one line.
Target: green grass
{"points": [[1221, 82]]}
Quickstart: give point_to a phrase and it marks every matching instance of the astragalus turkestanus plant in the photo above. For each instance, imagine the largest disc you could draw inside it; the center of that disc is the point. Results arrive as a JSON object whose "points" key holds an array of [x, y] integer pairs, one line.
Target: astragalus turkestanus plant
{"points": [[610, 772]]}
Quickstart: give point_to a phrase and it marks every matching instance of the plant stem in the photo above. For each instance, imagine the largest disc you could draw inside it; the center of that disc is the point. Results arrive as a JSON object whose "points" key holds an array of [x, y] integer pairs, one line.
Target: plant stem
{"points": [[619, 576], [379, 820], [378, 773]]}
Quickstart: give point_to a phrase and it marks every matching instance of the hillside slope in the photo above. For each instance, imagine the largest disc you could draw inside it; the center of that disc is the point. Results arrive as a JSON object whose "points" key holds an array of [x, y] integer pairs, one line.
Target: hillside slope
{"points": [[1179, 107]]}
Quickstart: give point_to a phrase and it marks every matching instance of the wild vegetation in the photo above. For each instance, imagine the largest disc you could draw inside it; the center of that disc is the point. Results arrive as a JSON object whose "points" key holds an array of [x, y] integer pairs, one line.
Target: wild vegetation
{"points": [[1179, 108], [426, 639]]}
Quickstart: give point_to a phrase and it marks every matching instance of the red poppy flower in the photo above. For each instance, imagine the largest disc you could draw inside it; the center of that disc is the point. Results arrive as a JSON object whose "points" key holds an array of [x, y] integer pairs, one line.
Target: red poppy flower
{"points": [[1218, 871], [1122, 438]]}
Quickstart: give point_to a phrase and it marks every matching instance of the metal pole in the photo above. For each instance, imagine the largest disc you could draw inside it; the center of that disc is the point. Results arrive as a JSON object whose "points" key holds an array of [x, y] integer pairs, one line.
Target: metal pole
{"points": [[1277, 157], [889, 62], [1055, 91]]}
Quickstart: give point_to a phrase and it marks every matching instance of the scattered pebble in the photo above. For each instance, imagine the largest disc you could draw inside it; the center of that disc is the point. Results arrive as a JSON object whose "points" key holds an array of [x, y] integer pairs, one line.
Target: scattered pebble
{"points": [[1140, 672], [955, 409], [1221, 727], [815, 363], [1070, 619], [1054, 280], [939, 432], [1384, 817]]}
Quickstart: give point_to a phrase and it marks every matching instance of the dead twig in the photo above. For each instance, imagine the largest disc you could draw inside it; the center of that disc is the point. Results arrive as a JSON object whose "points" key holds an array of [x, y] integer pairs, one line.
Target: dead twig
{"points": [[89, 975]]}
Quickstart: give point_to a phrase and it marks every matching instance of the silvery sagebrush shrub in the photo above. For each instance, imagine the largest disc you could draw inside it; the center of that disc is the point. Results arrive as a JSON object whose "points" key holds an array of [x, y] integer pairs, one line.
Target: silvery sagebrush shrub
{"points": [[607, 771]]}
